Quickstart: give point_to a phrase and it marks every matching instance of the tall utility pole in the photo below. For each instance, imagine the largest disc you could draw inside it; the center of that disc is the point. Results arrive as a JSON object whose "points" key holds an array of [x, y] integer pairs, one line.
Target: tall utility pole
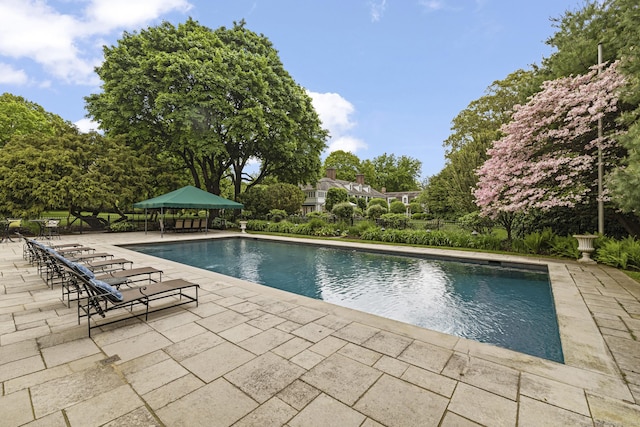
{"points": [[600, 165]]}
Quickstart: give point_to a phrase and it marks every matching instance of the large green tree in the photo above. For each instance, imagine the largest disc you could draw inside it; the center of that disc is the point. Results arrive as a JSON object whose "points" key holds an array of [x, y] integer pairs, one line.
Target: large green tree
{"points": [[346, 164], [214, 99], [392, 173], [21, 117], [261, 199], [79, 172]]}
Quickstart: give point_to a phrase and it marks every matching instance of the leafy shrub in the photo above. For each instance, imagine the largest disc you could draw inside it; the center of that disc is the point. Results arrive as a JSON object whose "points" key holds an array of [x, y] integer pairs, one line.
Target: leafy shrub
{"points": [[122, 226], [343, 211], [378, 201], [373, 234], [415, 207], [566, 246], [327, 230], [257, 225], [539, 242], [487, 242], [397, 207], [282, 227], [375, 211], [392, 220], [623, 254], [277, 215], [318, 214], [420, 216], [475, 222], [358, 228], [334, 197], [612, 253], [632, 247], [316, 223]]}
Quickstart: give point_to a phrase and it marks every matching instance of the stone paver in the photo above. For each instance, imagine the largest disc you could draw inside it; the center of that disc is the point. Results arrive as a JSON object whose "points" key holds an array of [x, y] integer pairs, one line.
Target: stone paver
{"points": [[264, 376], [342, 378], [394, 402], [252, 356], [216, 404], [482, 406], [325, 411]]}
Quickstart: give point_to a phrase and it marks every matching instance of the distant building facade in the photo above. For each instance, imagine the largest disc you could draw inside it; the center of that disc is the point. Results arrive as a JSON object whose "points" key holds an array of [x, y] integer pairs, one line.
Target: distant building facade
{"points": [[316, 195]]}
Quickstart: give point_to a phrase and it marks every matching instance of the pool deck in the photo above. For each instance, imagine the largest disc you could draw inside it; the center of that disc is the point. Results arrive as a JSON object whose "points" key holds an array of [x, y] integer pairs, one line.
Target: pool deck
{"points": [[250, 355]]}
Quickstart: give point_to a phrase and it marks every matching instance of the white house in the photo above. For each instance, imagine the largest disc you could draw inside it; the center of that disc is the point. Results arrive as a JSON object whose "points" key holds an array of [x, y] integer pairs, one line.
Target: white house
{"points": [[317, 194]]}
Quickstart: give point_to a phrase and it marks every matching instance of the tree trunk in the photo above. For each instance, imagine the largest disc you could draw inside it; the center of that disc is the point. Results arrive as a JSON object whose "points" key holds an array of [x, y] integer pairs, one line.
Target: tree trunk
{"points": [[630, 223]]}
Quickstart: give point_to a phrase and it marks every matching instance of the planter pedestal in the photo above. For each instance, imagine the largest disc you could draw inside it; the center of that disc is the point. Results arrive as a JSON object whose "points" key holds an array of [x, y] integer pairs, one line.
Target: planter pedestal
{"points": [[243, 226], [585, 246]]}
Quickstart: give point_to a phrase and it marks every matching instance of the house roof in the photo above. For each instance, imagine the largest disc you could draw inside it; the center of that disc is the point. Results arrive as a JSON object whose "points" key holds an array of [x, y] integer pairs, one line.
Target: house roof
{"points": [[353, 188], [403, 193]]}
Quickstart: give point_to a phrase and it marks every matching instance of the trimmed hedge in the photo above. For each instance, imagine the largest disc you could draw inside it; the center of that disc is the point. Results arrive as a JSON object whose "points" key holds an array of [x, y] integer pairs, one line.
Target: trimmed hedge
{"points": [[623, 254]]}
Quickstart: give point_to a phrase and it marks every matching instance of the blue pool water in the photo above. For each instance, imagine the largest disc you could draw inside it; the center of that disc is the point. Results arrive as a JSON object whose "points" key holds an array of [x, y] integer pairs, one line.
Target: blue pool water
{"points": [[511, 308]]}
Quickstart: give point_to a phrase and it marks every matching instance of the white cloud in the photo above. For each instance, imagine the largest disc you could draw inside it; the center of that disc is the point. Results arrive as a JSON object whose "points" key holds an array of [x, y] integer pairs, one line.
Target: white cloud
{"points": [[9, 75], [64, 44], [335, 113], [107, 15], [432, 5], [346, 143], [86, 125], [377, 9]]}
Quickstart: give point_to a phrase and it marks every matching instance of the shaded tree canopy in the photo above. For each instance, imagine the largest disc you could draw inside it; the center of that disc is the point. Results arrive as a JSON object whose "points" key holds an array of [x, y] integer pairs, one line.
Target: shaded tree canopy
{"points": [[216, 100], [79, 172], [260, 199]]}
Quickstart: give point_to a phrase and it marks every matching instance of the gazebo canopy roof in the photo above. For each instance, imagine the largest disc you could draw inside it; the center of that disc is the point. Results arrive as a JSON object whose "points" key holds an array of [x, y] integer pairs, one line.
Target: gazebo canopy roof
{"points": [[189, 197]]}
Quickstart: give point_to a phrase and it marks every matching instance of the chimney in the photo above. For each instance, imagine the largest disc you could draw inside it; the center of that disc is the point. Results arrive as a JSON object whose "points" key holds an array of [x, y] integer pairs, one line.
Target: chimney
{"points": [[360, 178], [383, 190], [331, 173]]}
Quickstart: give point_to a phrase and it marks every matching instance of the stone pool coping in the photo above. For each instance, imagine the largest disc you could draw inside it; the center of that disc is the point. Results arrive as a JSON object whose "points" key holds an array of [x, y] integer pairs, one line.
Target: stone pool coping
{"points": [[255, 354]]}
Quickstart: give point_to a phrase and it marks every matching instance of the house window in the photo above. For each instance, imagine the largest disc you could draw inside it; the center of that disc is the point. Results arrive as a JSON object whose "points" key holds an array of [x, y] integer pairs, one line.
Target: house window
{"points": [[405, 200]]}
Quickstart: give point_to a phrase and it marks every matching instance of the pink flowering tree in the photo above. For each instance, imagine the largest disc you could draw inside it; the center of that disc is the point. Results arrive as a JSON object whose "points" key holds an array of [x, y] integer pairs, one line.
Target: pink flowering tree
{"points": [[548, 156]]}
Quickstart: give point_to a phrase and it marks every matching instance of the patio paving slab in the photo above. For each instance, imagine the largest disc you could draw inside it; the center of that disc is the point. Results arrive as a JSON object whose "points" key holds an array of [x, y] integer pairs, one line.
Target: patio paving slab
{"points": [[216, 404], [342, 378], [264, 376], [394, 402], [325, 411]]}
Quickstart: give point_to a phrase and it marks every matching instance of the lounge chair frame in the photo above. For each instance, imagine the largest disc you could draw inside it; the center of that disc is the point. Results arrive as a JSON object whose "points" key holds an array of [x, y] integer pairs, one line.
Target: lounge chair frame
{"points": [[97, 302]]}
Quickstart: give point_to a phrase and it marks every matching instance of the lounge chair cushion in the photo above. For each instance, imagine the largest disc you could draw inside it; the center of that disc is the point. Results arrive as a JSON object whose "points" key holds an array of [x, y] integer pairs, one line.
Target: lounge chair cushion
{"points": [[111, 293], [83, 270]]}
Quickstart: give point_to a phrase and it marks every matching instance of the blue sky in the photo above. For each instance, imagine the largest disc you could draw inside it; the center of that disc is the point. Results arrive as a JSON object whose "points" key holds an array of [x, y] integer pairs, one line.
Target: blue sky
{"points": [[386, 76]]}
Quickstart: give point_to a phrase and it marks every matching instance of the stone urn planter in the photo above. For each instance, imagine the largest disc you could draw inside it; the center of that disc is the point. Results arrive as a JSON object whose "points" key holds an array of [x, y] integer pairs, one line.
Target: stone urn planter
{"points": [[585, 246], [243, 226]]}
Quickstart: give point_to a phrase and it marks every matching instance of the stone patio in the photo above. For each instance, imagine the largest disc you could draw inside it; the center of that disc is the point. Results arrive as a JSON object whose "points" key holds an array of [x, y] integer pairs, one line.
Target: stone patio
{"points": [[250, 355]]}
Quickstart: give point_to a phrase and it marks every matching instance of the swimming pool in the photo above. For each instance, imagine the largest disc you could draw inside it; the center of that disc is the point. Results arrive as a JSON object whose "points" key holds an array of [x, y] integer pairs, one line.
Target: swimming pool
{"points": [[509, 307]]}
